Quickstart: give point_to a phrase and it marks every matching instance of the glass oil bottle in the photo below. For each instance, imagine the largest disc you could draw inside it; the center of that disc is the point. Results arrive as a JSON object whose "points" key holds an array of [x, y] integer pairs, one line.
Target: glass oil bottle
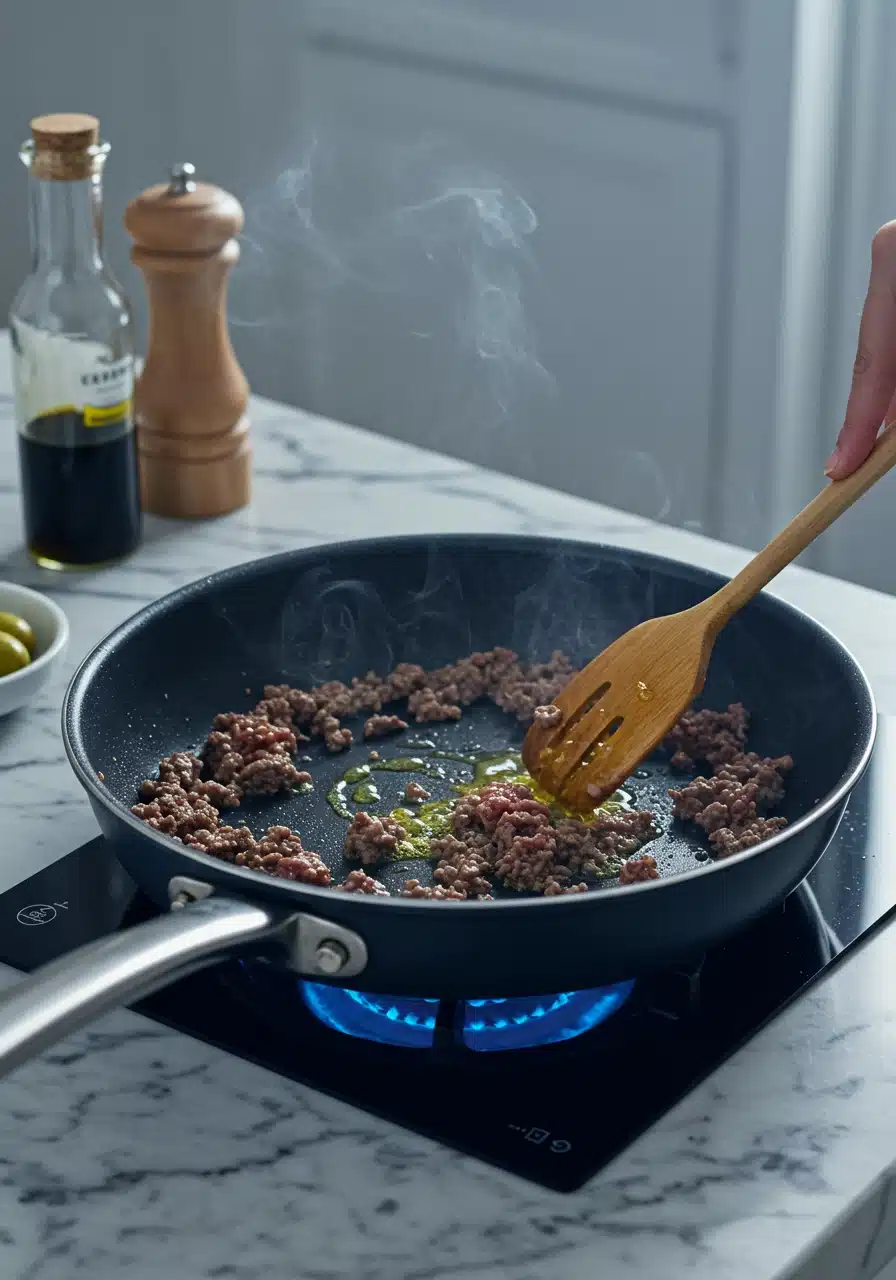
{"points": [[73, 362]]}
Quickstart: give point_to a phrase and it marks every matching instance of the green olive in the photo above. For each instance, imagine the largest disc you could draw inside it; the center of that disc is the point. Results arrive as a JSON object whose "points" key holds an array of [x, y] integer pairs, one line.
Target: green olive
{"points": [[13, 625], [13, 654]]}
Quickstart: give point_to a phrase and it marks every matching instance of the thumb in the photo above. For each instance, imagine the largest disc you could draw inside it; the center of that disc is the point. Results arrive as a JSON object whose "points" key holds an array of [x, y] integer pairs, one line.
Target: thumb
{"points": [[874, 371], [854, 444]]}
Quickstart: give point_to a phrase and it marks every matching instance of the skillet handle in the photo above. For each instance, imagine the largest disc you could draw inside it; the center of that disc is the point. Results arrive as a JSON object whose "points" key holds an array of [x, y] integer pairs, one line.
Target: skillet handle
{"points": [[71, 991]]}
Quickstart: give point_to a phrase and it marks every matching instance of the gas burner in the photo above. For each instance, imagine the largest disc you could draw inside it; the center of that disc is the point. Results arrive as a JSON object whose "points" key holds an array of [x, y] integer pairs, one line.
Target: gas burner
{"points": [[485, 1026], [561, 1108]]}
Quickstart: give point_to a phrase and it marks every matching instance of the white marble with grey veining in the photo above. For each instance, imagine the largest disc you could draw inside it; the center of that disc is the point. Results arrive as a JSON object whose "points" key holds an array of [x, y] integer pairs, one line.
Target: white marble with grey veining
{"points": [[134, 1151]]}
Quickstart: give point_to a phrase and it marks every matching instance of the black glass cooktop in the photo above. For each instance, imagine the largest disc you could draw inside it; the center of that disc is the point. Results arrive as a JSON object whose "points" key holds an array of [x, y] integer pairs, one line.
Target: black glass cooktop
{"points": [[550, 1088]]}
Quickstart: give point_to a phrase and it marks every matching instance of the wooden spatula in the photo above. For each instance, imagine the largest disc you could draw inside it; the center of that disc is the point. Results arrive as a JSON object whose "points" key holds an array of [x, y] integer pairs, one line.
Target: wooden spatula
{"points": [[622, 705]]}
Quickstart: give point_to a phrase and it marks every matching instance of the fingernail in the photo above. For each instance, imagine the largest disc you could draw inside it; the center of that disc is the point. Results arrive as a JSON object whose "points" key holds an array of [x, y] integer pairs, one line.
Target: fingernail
{"points": [[831, 465]]}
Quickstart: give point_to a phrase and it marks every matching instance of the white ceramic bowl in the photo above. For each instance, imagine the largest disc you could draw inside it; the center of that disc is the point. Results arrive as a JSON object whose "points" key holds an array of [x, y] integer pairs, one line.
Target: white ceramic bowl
{"points": [[50, 627]]}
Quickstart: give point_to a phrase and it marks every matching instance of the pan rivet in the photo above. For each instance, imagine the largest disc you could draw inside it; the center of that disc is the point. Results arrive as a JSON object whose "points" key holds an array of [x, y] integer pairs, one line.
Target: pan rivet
{"points": [[330, 956]]}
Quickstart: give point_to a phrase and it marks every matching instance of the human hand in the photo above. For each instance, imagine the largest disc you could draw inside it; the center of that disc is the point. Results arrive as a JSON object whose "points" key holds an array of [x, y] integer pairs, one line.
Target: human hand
{"points": [[872, 397]]}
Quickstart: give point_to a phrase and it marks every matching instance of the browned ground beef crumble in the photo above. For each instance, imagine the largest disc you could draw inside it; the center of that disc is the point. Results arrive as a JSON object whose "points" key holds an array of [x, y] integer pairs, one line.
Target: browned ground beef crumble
{"points": [[501, 834], [643, 868], [360, 882], [548, 716], [372, 840], [379, 726], [729, 804], [713, 736]]}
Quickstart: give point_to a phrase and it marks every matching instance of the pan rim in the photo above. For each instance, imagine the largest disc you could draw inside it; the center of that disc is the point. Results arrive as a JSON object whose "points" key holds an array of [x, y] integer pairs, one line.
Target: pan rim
{"points": [[299, 893]]}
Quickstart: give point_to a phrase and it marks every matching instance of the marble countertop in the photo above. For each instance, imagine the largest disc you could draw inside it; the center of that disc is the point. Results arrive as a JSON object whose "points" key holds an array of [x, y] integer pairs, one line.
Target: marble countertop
{"points": [[133, 1150]]}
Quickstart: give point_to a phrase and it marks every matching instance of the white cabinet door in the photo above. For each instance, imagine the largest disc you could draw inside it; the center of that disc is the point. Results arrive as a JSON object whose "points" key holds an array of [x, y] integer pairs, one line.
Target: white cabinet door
{"points": [[524, 278]]}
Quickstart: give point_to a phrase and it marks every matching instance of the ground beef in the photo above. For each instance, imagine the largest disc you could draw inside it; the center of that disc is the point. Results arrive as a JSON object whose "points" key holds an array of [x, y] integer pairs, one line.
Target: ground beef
{"points": [[230, 844], [414, 889], [372, 840], [301, 704], [327, 726], [588, 847], [228, 797], [640, 868], [249, 753], [460, 867], [728, 806], [379, 726], [179, 775], [577, 847], [717, 802], [471, 678], [279, 712], [464, 818], [526, 848], [554, 887], [548, 716], [500, 798], [369, 693], [765, 772], [279, 852], [247, 736], [425, 705], [281, 842], [500, 833], [448, 846], [511, 836], [404, 680], [269, 774], [360, 882], [711, 736], [476, 840], [413, 792], [178, 813], [728, 840], [307, 867], [182, 769], [525, 686], [335, 697]]}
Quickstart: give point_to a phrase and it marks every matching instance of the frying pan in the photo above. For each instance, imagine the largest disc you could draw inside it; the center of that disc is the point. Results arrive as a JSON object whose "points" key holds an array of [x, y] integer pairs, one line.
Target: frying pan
{"points": [[154, 685]]}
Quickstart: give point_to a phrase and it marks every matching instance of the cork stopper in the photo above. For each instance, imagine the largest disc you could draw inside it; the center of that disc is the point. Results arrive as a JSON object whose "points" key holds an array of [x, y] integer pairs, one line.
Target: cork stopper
{"points": [[65, 146]]}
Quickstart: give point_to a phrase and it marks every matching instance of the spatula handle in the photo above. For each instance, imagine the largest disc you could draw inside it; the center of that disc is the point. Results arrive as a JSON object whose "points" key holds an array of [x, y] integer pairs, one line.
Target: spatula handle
{"points": [[804, 528]]}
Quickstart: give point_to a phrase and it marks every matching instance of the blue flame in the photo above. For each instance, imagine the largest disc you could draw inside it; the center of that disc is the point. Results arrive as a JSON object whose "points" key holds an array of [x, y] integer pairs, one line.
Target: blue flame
{"points": [[521, 1022]]}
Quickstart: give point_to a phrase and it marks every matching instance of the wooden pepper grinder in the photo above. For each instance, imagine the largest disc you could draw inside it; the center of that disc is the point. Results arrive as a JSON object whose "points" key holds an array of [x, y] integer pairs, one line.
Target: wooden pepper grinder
{"points": [[190, 400]]}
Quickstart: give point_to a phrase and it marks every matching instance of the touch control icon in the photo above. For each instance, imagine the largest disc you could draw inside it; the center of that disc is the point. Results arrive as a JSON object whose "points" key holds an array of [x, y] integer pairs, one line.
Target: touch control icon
{"points": [[559, 1146], [537, 1135], [40, 912]]}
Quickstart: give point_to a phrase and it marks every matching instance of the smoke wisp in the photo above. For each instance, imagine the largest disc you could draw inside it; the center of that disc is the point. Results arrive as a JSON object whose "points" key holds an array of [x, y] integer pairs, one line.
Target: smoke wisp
{"points": [[426, 251]]}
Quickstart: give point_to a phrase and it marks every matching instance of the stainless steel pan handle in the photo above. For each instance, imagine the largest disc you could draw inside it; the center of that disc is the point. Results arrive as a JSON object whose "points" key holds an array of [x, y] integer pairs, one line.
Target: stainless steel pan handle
{"points": [[71, 991]]}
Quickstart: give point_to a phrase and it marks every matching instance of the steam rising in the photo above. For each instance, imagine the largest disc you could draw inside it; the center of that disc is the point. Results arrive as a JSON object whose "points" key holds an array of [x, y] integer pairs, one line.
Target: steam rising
{"points": [[568, 607], [428, 229], [333, 628]]}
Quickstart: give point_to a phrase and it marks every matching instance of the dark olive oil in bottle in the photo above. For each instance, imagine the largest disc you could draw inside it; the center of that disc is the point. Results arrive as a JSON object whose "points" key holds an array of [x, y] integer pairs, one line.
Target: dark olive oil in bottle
{"points": [[73, 362]]}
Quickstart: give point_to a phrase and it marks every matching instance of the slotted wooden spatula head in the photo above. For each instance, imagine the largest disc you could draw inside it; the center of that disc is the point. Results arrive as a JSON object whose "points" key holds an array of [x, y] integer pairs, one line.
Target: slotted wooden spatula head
{"points": [[624, 702], [619, 708]]}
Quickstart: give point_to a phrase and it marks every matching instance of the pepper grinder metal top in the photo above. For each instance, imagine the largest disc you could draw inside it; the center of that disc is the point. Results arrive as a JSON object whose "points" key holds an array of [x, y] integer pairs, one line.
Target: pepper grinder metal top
{"points": [[193, 437], [182, 179]]}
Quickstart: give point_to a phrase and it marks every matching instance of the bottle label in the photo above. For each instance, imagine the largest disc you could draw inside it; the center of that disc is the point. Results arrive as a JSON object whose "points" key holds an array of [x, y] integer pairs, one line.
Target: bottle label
{"points": [[70, 392]]}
